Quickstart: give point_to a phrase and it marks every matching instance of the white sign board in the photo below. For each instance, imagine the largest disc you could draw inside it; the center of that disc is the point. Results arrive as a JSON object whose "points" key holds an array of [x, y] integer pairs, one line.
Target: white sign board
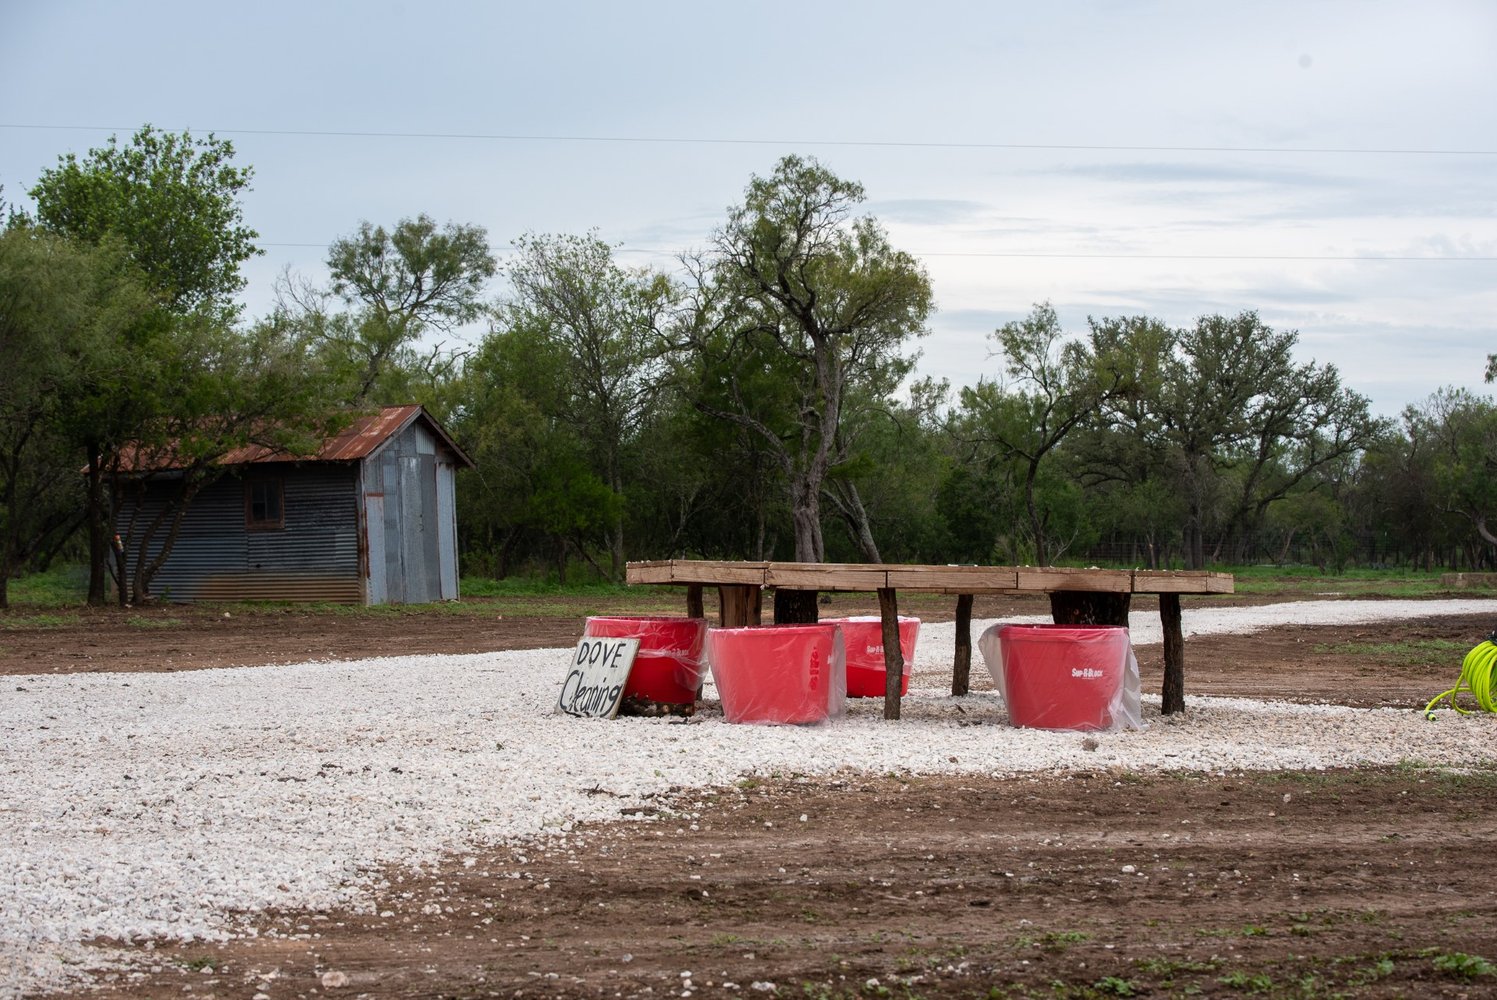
{"points": [[594, 686]]}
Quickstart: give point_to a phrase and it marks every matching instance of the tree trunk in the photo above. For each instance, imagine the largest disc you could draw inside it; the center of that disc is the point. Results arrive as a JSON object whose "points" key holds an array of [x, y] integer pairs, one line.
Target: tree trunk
{"points": [[961, 670], [1085, 607], [1174, 654], [849, 502], [795, 607], [893, 655], [805, 511], [98, 530]]}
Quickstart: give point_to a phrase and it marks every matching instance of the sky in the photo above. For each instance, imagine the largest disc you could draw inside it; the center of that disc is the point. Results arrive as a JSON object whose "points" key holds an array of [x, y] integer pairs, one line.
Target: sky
{"points": [[1331, 165]]}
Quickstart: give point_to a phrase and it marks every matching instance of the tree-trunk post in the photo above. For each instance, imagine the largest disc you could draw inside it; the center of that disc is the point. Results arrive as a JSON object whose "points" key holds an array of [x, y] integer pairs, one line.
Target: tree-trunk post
{"points": [[961, 668], [888, 609], [795, 607], [694, 606], [1088, 607], [738, 605], [1174, 654]]}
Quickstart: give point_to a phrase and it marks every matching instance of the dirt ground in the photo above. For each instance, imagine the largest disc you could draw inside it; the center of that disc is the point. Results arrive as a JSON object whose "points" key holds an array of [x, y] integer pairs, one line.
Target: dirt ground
{"points": [[1362, 884]]}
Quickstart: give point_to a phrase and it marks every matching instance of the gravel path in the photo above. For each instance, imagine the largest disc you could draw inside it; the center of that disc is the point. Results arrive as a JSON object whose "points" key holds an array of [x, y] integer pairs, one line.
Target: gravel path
{"points": [[148, 805]]}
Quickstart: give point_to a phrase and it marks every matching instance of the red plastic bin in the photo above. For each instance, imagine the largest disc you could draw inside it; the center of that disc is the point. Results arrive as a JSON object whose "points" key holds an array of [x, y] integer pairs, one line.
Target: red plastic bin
{"points": [[778, 673], [668, 667], [1063, 676], [863, 638]]}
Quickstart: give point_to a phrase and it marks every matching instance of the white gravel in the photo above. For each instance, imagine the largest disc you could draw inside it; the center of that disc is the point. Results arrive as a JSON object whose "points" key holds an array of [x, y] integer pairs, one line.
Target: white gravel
{"points": [[154, 805]]}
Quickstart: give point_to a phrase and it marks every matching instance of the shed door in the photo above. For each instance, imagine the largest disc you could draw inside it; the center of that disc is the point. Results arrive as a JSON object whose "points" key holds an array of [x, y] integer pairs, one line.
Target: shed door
{"points": [[374, 532], [447, 531]]}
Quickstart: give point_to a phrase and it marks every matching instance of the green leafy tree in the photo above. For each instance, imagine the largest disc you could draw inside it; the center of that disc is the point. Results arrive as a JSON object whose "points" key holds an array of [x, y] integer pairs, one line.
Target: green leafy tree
{"points": [[605, 324], [62, 304], [230, 389], [801, 317], [171, 200], [533, 479], [1053, 386], [396, 286], [170, 203], [1223, 413], [1460, 429]]}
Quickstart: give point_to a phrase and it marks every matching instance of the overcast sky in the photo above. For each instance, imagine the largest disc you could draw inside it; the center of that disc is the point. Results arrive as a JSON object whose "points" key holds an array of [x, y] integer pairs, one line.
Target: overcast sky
{"points": [[1166, 158]]}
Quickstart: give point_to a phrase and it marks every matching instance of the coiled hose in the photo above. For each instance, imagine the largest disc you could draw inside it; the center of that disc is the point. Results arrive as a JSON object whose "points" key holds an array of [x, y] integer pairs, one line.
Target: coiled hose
{"points": [[1476, 676]]}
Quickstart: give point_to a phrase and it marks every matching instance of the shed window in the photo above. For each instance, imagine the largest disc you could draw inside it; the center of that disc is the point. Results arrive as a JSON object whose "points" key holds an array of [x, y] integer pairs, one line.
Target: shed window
{"points": [[264, 509]]}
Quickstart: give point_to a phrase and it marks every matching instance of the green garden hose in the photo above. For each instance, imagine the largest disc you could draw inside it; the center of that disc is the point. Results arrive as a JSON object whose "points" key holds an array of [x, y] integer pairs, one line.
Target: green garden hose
{"points": [[1476, 676]]}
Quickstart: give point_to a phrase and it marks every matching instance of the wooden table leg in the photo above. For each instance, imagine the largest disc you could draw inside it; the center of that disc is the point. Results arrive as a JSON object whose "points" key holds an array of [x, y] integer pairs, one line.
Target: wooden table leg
{"points": [[738, 605], [1174, 654], [694, 608], [888, 609], [961, 668]]}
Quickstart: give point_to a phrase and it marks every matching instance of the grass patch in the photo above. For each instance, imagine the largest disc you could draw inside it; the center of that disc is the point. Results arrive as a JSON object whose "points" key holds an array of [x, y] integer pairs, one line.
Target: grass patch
{"points": [[1459, 965], [141, 621], [1413, 651], [57, 587], [1353, 583], [15, 622]]}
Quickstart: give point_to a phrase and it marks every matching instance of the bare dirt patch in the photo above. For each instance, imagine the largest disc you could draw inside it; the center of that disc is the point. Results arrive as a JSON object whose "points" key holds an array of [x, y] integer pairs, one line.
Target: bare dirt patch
{"points": [[1369, 883], [1362, 884]]}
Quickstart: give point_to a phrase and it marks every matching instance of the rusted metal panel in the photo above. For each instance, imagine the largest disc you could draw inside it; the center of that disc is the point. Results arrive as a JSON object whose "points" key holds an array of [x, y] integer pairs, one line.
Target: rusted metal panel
{"points": [[360, 439]]}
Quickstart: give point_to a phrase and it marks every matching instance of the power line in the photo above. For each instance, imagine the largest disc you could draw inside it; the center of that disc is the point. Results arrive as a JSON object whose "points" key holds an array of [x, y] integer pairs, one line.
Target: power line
{"points": [[867, 143], [1365, 258]]}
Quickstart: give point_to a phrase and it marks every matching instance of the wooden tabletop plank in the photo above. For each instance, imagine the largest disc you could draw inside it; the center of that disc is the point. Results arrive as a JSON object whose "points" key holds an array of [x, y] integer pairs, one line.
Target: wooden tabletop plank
{"points": [[927, 579], [657, 571], [1048, 579], [705, 571], [826, 576], [954, 579], [1150, 581]]}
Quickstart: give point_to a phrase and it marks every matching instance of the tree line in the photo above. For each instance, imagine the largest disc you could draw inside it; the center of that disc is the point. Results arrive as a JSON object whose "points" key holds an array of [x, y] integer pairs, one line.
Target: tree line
{"points": [[757, 400]]}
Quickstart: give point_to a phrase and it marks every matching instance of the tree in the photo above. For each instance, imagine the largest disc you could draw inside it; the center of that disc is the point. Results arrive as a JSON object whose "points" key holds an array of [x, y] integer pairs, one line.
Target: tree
{"points": [[171, 200], [533, 481], [800, 319], [1227, 418], [170, 203], [1235, 399], [1461, 427], [1053, 386], [61, 305], [398, 285], [605, 323], [230, 389]]}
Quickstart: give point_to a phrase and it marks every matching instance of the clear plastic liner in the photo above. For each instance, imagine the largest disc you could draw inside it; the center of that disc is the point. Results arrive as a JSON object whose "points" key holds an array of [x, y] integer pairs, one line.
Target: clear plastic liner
{"points": [[668, 667], [863, 637], [779, 673], [1081, 677]]}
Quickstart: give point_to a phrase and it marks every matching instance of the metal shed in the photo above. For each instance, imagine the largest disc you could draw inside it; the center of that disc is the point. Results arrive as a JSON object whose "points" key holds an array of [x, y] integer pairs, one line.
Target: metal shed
{"points": [[371, 518]]}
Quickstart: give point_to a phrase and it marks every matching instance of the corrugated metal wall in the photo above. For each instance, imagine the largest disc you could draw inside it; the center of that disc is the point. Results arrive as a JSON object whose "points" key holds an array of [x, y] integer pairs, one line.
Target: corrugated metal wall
{"points": [[419, 561], [314, 557]]}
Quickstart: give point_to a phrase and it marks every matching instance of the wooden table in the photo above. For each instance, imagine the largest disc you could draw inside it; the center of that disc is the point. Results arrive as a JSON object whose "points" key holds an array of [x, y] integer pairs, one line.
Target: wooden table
{"points": [[1077, 596]]}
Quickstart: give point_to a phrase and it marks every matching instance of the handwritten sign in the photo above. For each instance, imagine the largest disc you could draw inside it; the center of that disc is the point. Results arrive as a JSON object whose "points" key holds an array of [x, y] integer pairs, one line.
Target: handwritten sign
{"points": [[594, 685]]}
